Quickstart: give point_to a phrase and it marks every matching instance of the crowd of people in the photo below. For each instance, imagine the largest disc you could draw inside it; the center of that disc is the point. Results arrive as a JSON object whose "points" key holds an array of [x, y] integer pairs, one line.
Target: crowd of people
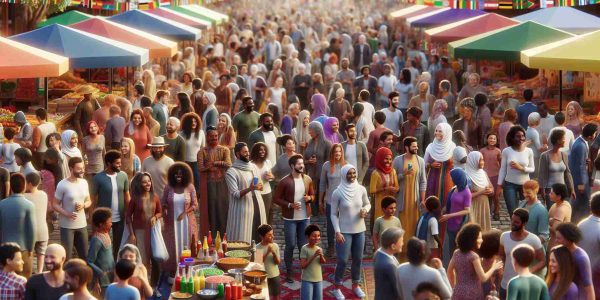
{"points": [[293, 113]]}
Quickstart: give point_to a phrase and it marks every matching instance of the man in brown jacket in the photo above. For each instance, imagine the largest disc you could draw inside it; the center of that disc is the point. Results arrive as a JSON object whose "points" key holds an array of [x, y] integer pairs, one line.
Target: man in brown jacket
{"points": [[294, 193]]}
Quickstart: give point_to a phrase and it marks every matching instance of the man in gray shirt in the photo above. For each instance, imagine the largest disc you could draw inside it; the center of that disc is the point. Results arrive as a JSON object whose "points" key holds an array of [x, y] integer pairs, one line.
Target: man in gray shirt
{"points": [[346, 76], [393, 115]]}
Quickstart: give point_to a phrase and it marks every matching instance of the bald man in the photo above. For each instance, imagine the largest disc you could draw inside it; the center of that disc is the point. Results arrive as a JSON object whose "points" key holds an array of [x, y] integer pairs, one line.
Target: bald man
{"points": [[49, 285], [176, 144]]}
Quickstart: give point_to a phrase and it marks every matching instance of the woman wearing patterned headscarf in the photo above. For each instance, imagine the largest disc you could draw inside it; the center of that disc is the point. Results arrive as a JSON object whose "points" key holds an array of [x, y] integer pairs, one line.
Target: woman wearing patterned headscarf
{"points": [[384, 181], [437, 115]]}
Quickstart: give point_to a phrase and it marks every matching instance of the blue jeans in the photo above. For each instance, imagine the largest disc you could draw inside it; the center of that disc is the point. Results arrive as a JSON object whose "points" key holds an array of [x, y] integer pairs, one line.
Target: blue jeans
{"points": [[354, 244], [512, 194], [330, 232], [294, 237], [311, 290]]}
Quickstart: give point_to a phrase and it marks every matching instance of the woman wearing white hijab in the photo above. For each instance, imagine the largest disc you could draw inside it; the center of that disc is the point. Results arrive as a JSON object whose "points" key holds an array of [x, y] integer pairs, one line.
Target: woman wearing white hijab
{"points": [[300, 133], [349, 207], [210, 117], [68, 147], [481, 189], [438, 161]]}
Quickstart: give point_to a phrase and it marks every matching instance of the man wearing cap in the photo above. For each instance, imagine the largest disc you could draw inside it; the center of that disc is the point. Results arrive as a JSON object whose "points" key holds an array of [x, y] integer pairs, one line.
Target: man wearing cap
{"points": [[157, 164], [85, 110], [224, 95], [366, 82]]}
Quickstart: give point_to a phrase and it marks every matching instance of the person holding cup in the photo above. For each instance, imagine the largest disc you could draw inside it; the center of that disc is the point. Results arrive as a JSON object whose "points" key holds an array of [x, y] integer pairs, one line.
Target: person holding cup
{"points": [[349, 207]]}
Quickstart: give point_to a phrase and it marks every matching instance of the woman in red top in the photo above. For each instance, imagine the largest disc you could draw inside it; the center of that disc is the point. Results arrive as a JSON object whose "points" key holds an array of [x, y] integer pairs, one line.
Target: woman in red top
{"points": [[139, 133], [143, 211]]}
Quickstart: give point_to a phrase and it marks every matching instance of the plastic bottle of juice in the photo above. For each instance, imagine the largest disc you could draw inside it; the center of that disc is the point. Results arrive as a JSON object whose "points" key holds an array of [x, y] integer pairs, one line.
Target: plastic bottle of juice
{"points": [[218, 241]]}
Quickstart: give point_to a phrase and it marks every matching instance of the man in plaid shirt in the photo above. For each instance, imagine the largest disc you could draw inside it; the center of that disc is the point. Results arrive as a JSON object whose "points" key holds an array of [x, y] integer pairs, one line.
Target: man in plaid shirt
{"points": [[12, 286]]}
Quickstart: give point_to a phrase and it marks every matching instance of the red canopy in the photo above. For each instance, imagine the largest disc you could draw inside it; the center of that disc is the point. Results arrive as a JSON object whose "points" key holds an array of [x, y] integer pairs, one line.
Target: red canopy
{"points": [[419, 12], [467, 28]]}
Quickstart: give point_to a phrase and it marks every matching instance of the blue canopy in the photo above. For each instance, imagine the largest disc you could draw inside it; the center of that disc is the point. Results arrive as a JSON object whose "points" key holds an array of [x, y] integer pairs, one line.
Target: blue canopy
{"points": [[83, 49], [157, 25], [563, 18], [446, 17]]}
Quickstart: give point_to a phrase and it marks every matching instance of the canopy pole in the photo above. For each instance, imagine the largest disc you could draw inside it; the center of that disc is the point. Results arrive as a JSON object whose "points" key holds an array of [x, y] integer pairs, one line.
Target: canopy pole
{"points": [[46, 92], [110, 80], [560, 90], [127, 82]]}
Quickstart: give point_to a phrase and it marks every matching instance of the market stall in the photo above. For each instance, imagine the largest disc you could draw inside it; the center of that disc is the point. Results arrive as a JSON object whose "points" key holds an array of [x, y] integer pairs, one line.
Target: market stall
{"points": [[23, 61], [578, 53], [564, 18], [157, 25], [407, 10], [84, 50], [468, 28], [217, 17]]}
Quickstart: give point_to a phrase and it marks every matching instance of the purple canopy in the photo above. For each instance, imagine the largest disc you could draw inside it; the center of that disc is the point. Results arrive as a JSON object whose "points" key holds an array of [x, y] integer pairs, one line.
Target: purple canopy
{"points": [[446, 17]]}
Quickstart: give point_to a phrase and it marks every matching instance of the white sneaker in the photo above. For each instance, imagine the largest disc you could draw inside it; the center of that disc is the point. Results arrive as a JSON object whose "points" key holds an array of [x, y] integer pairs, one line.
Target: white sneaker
{"points": [[359, 292], [338, 294]]}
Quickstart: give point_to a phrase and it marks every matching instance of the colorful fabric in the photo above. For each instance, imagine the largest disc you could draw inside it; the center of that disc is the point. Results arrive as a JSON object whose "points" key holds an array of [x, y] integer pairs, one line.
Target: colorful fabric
{"points": [[12, 286]]}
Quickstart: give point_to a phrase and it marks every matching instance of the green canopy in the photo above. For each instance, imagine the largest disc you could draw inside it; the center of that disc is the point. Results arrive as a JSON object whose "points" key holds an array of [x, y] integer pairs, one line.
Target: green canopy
{"points": [[66, 19], [192, 14], [506, 43], [202, 13]]}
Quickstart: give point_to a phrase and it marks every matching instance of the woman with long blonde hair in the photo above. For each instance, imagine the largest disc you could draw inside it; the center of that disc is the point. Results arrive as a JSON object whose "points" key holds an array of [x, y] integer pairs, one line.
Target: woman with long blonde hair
{"points": [[149, 83], [574, 118], [130, 163]]}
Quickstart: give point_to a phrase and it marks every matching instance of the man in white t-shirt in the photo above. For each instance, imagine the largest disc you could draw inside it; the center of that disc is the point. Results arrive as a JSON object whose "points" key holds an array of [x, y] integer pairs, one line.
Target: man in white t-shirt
{"points": [[393, 115], [518, 236], [569, 136], [385, 85], [110, 189], [546, 123], [71, 199], [266, 134]]}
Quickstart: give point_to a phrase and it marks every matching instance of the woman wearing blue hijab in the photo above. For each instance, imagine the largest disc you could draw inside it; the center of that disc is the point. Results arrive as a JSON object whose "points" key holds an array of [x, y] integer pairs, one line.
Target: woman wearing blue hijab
{"points": [[458, 207]]}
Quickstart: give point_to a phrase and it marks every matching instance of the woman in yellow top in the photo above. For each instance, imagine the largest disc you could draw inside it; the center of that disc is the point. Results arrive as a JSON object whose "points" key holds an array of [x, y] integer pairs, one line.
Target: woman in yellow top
{"points": [[384, 181]]}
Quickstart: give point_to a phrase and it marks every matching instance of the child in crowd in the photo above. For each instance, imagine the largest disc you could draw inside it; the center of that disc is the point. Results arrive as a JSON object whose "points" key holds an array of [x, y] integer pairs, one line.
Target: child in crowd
{"points": [[40, 201], [492, 156], [538, 215], [388, 205], [428, 227], [100, 257], [121, 290], [270, 258], [7, 151], [525, 285], [311, 258]]}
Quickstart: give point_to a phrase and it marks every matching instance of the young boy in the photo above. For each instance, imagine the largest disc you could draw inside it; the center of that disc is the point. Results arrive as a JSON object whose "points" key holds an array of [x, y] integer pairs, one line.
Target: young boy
{"points": [[538, 215], [492, 156], [427, 226], [311, 258], [525, 283], [40, 201], [388, 205], [270, 258], [121, 290], [100, 257], [7, 151]]}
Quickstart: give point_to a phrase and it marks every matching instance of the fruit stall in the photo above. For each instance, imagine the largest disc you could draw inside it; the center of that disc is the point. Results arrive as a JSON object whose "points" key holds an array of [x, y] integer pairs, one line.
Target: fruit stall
{"points": [[220, 269]]}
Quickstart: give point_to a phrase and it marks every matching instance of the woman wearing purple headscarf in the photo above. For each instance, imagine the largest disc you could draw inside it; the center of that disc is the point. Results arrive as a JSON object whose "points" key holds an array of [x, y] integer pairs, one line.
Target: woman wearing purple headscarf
{"points": [[319, 106], [287, 124], [331, 129]]}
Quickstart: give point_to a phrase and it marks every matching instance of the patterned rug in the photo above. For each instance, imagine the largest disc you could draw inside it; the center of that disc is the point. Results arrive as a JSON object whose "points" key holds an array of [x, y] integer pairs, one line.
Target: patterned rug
{"points": [[291, 291]]}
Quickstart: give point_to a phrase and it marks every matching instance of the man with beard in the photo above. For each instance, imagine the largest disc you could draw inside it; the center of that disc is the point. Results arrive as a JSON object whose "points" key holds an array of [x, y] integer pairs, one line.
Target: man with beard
{"points": [[385, 86], [413, 127], [366, 82], [547, 122], [393, 115], [17, 221], [157, 164], [71, 198], [85, 110], [412, 181], [356, 152], [213, 162], [294, 193], [77, 277], [245, 121], [175, 143], [110, 189], [244, 201], [49, 285], [518, 236], [346, 77], [266, 135]]}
